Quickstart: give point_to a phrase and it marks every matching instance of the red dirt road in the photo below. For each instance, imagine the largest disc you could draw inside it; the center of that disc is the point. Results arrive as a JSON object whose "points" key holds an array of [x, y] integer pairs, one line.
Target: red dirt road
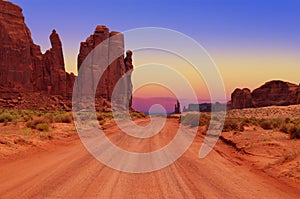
{"points": [[71, 172]]}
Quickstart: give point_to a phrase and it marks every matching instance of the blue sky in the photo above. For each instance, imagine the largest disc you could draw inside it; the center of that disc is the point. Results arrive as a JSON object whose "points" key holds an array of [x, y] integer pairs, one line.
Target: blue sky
{"points": [[252, 41], [218, 24]]}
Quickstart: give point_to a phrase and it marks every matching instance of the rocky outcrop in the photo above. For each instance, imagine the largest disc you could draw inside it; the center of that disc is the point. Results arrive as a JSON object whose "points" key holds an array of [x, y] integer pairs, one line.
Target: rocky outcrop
{"points": [[275, 93], [16, 48], [23, 66], [278, 93], [177, 109], [27, 75], [116, 67], [241, 98]]}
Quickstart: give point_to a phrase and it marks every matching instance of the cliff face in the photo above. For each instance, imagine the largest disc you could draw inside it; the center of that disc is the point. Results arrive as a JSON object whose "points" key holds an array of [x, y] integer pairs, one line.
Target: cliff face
{"points": [[278, 93], [16, 49], [27, 75], [275, 93], [241, 98], [117, 67], [23, 67]]}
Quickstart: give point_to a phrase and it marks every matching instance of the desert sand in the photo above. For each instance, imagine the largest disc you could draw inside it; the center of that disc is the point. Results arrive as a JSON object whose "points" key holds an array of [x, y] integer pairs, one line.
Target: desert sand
{"points": [[62, 168]]}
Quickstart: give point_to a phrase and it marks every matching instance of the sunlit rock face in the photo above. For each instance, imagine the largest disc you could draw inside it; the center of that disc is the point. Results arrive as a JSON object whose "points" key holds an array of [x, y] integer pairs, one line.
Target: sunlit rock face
{"points": [[29, 78], [273, 93], [110, 55], [23, 66]]}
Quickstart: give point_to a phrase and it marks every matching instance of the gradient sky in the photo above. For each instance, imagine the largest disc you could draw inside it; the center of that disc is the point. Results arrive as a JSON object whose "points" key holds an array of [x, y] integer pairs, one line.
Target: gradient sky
{"points": [[251, 41]]}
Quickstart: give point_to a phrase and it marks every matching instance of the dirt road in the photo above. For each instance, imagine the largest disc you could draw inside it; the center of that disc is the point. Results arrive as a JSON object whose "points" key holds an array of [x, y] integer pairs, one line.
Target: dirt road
{"points": [[69, 171]]}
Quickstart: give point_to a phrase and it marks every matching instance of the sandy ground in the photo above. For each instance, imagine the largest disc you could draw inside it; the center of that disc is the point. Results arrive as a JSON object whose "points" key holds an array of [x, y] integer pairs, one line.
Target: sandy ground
{"points": [[270, 151], [63, 168], [292, 112]]}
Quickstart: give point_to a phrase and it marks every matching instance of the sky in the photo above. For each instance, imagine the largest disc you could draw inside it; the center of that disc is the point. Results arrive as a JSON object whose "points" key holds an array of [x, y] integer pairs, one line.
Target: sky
{"points": [[251, 41]]}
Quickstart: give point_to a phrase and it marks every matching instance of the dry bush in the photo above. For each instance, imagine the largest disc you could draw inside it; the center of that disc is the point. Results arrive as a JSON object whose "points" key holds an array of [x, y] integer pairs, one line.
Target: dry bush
{"points": [[37, 120], [292, 129], [295, 132], [232, 125], [205, 119], [62, 118], [42, 127], [136, 114], [266, 124], [6, 117]]}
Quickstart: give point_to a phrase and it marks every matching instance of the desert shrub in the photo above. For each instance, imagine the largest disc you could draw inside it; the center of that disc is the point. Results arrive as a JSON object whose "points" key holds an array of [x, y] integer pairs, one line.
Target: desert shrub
{"points": [[6, 117], [294, 132], [248, 121], [25, 118], [27, 132], [50, 117], [66, 118], [232, 125], [277, 123], [62, 118], [137, 114], [292, 129], [296, 121], [266, 124], [36, 121], [15, 122], [205, 120], [100, 116], [284, 128], [101, 122], [42, 127], [190, 119]]}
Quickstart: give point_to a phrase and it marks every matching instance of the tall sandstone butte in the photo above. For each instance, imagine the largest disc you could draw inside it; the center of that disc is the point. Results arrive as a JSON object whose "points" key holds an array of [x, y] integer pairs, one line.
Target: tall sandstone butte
{"points": [[241, 98], [277, 93], [26, 71], [23, 66], [110, 55]]}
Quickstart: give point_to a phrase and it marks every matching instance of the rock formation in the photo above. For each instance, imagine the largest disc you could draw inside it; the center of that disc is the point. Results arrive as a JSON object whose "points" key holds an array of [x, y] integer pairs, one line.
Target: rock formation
{"points": [[23, 67], [278, 93], [110, 55], [241, 98], [177, 109], [30, 79]]}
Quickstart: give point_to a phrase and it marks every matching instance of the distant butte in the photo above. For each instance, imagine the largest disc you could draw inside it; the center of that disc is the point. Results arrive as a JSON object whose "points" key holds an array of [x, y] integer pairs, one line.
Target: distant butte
{"points": [[273, 93]]}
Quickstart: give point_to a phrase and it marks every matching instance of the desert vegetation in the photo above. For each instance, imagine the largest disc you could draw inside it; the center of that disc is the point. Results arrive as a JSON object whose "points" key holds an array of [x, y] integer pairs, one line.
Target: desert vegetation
{"points": [[39, 120], [42, 120], [194, 119], [266, 118]]}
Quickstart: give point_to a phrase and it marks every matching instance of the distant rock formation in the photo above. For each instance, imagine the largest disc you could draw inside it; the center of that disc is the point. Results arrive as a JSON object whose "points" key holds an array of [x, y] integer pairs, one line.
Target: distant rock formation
{"points": [[206, 107], [278, 93], [177, 108], [241, 98]]}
